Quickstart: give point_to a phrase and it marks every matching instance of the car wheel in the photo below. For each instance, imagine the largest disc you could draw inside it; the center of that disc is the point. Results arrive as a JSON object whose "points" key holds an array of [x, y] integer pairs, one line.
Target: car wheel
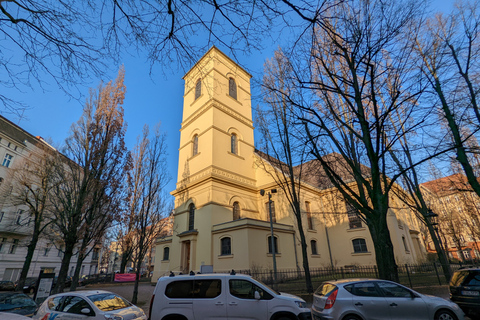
{"points": [[284, 318], [351, 317], [445, 315]]}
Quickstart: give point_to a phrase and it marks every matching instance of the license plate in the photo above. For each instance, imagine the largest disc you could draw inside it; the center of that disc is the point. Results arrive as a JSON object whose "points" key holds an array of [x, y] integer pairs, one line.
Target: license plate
{"points": [[471, 293]]}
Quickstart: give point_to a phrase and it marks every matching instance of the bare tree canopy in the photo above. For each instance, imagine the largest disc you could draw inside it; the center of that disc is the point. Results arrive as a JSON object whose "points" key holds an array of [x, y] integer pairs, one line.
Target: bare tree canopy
{"points": [[69, 42], [90, 191]]}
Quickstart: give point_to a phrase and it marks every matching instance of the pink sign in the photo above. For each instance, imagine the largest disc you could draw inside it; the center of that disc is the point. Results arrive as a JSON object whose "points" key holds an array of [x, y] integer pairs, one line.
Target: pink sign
{"points": [[124, 277]]}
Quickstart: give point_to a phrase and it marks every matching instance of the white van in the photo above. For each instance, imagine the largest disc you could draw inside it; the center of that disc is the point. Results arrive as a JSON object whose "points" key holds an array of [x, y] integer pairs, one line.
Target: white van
{"points": [[222, 296]]}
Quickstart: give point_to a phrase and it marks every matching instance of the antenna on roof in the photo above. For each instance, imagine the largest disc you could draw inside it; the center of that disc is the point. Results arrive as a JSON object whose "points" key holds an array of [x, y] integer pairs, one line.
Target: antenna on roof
{"points": [[172, 274], [192, 273], [233, 272]]}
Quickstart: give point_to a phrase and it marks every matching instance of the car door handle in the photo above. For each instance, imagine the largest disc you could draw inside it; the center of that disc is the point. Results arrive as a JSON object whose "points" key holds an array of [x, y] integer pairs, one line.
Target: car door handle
{"points": [[219, 303], [232, 304], [359, 304], [393, 304]]}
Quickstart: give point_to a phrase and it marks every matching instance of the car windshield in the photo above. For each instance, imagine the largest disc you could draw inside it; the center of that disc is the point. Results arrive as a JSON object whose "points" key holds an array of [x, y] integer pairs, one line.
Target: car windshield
{"points": [[15, 301], [109, 301]]}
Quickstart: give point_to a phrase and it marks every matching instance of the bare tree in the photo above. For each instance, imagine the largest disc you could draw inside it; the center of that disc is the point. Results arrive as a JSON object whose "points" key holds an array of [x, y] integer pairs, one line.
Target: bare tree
{"points": [[33, 181], [276, 124], [448, 47], [147, 202], [354, 74], [86, 199]]}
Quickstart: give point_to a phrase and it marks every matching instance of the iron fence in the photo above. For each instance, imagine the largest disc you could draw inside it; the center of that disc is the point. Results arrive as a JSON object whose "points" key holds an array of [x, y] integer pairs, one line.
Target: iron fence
{"points": [[293, 280]]}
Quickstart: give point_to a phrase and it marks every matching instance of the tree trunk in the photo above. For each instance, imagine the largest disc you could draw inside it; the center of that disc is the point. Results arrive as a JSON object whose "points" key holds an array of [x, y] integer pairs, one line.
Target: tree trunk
{"points": [[62, 275], [28, 259], [440, 253], [123, 263], [137, 280], [306, 267], [384, 254], [78, 266]]}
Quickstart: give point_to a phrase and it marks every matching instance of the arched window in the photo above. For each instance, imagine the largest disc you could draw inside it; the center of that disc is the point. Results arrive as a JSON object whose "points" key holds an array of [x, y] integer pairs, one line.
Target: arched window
{"points": [[309, 216], [359, 245], [166, 253], [195, 145], [233, 144], [275, 245], [226, 244], [191, 217], [198, 89], [232, 88], [313, 245], [236, 211], [274, 218]]}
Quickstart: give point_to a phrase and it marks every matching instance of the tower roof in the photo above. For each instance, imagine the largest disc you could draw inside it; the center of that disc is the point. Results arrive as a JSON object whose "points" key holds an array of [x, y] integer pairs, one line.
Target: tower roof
{"points": [[214, 48]]}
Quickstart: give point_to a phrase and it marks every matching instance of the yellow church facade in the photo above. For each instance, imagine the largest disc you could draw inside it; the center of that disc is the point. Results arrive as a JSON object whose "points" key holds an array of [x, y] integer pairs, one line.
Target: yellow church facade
{"points": [[221, 219]]}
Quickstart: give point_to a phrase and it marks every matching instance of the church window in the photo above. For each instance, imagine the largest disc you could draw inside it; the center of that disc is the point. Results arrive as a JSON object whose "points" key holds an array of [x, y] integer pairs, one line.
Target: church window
{"points": [[274, 219], [354, 221], [191, 217], [234, 144], [232, 88], [275, 245], [166, 253], [226, 244], [313, 246], [195, 145], [236, 211], [359, 246], [309, 216], [198, 89]]}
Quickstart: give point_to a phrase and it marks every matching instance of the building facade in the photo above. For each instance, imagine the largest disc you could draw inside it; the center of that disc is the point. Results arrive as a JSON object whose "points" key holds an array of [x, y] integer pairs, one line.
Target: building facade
{"points": [[458, 209], [222, 219], [16, 146]]}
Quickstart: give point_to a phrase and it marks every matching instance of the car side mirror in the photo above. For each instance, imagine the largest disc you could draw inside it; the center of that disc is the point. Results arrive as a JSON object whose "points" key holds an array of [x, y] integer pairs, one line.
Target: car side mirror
{"points": [[257, 295], [85, 311]]}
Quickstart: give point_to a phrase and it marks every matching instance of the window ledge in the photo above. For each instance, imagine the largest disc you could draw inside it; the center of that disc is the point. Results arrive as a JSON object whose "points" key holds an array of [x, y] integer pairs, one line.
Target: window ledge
{"points": [[316, 256], [312, 230], [228, 95], [276, 254], [199, 97], [165, 261], [236, 155], [355, 229], [361, 253], [194, 156], [225, 256]]}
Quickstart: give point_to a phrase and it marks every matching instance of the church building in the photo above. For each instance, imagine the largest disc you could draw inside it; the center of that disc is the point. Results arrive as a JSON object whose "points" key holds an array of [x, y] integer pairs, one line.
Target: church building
{"points": [[221, 215]]}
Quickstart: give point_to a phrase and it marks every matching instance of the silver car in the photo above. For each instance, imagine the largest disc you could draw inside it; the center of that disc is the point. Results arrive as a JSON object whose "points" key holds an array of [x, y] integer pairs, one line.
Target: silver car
{"points": [[373, 299]]}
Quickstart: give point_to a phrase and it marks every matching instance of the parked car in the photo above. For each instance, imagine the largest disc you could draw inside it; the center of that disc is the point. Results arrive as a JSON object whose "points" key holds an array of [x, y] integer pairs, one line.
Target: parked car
{"points": [[222, 296], [91, 305], [29, 285], [361, 299], [7, 286], [465, 290], [12, 316], [17, 303]]}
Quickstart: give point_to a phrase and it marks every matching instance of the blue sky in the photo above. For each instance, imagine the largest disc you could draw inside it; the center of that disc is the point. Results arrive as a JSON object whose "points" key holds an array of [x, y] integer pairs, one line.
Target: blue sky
{"points": [[149, 100]]}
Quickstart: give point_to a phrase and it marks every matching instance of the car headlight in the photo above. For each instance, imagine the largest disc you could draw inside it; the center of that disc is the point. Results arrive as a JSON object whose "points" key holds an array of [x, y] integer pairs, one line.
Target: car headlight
{"points": [[301, 304], [113, 317]]}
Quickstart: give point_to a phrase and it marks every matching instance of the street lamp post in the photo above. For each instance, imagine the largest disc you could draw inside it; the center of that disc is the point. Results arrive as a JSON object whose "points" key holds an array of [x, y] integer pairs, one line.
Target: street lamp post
{"points": [[272, 239], [432, 220]]}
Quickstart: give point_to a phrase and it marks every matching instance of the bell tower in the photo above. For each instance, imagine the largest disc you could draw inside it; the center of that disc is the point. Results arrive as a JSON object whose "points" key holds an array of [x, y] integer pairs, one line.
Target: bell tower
{"points": [[216, 155]]}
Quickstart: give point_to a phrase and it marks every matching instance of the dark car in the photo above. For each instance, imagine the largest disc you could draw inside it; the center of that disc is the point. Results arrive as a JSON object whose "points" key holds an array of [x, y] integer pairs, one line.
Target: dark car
{"points": [[18, 303], [7, 286], [465, 290], [29, 285]]}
